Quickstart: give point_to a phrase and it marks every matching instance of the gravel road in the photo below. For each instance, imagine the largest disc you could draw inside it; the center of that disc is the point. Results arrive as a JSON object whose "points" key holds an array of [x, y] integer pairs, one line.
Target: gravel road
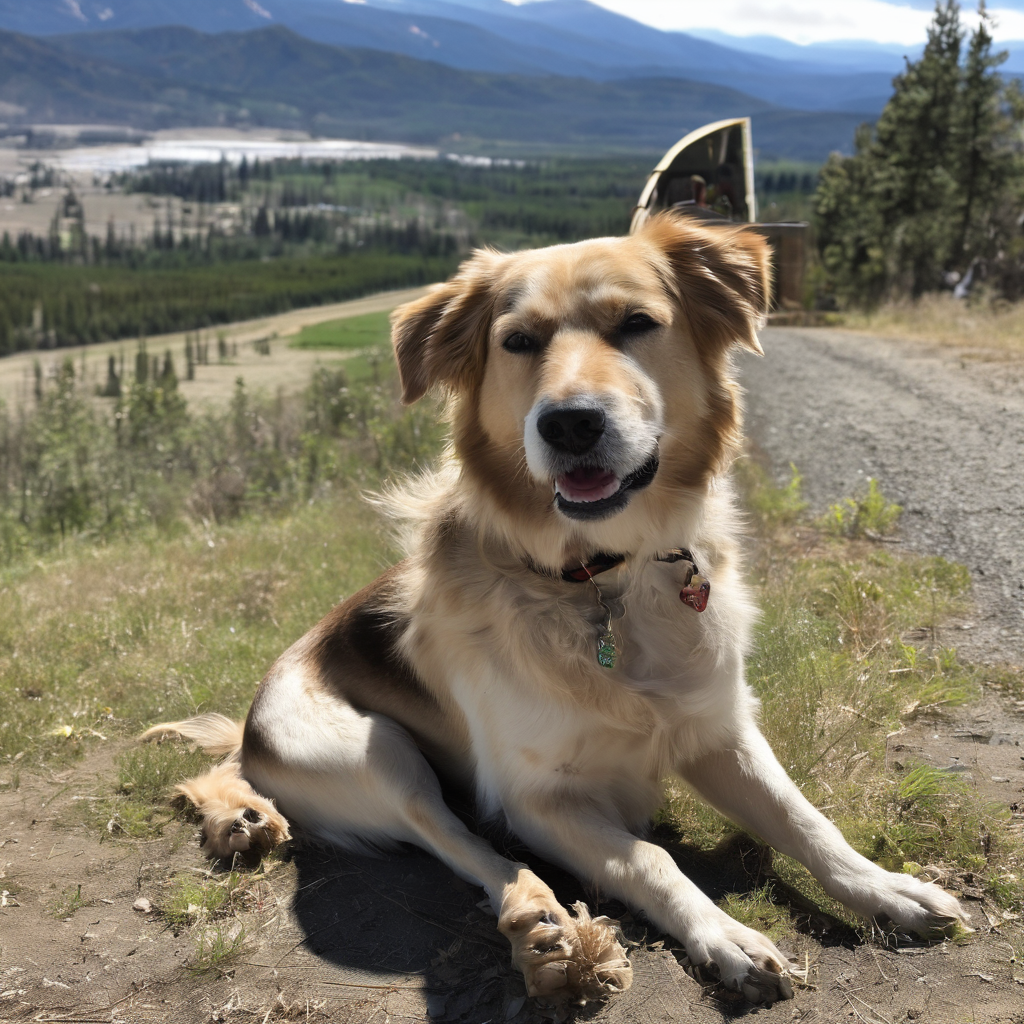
{"points": [[941, 430]]}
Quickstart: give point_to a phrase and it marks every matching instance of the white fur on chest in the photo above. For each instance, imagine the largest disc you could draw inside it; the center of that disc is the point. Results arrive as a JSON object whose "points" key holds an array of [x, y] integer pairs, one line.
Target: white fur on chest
{"points": [[548, 719]]}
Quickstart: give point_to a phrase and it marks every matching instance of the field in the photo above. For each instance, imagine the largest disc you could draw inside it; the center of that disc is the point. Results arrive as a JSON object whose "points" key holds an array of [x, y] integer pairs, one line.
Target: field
{"points": [[103, 632], [372, 330], [278, 364], [171, 248]]}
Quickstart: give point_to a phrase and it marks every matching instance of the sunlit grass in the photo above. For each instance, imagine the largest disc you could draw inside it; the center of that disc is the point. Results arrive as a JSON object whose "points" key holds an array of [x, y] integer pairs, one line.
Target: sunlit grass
{"points": [[99, 645], [981, 323], [366, 331]]}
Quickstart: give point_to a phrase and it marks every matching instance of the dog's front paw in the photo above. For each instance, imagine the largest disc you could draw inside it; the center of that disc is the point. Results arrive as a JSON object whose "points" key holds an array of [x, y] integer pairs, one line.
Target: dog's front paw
{"points": [[567, 959], [921, 908], [742, 959]]}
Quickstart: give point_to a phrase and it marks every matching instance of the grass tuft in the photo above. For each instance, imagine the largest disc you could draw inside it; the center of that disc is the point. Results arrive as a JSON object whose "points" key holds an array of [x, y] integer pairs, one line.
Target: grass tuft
{"points": [[772, 504], [194, 899], [871, 515], [69, 901], [217, 948], [757, 909]]}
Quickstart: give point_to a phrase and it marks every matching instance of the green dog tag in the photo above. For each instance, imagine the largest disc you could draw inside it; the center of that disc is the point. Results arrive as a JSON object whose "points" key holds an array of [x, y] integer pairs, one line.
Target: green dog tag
{"points": [[606, 650]]}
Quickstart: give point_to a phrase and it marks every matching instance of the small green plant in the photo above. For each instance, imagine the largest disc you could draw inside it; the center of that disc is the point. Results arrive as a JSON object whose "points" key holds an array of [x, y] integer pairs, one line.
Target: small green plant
{"points": [[871, 515], [932, 814], [216, 948], [773, 504], [196, 899], [757, 909], [68, 902]]}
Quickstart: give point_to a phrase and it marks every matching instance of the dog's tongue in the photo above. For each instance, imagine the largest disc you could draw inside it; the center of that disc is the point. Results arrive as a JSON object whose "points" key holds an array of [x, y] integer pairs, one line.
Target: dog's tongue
{"points": [[588, 484]]}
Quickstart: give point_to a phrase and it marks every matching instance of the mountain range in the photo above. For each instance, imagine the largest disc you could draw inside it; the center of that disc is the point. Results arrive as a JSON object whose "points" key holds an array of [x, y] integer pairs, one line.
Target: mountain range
{"points": [[166, 77], [548, 72], [572, 38]]}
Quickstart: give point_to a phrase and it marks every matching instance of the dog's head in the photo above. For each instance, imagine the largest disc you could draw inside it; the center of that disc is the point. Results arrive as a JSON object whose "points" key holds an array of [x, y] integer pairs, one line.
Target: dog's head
{"points": [[590, 379]]}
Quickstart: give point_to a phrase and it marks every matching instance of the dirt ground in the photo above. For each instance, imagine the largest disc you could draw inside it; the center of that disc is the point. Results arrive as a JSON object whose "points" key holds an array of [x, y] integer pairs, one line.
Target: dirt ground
{"points": [[333, 937]]}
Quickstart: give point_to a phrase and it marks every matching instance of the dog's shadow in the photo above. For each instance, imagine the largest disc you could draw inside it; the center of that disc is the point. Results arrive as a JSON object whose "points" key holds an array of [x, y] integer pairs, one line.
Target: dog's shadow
{"points": [[406, 915]]}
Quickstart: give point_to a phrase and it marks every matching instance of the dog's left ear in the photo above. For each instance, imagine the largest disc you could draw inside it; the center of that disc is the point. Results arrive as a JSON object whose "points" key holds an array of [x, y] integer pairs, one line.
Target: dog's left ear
{"points": [[721, 275], [442, 338]]}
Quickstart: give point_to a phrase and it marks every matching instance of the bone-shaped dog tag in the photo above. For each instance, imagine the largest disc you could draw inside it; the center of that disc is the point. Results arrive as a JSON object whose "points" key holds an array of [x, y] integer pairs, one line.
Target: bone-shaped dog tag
{"points": [[696, 593]]}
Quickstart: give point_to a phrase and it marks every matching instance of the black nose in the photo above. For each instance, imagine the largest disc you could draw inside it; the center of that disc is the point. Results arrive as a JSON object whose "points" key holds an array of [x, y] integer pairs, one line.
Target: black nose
{"points": [[572, 430]]}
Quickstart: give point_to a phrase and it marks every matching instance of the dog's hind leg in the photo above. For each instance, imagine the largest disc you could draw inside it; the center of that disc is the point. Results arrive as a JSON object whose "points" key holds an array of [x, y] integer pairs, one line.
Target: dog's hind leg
{"points": [[358, 779], [236, 819]]}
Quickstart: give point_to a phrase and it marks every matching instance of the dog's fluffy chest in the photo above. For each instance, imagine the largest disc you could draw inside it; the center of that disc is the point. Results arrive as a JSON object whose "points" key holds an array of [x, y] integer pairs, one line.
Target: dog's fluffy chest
{"points": [[517, 654]]}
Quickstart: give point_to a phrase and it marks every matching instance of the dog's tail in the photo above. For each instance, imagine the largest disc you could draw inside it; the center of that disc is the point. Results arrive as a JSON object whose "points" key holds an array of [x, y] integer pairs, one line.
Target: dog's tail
{"points": [[216, 734]]}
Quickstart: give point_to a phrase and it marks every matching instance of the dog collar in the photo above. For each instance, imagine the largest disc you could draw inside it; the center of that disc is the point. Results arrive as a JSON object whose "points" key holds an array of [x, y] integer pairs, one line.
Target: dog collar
{"points": [[601, 562], [695, 593]]}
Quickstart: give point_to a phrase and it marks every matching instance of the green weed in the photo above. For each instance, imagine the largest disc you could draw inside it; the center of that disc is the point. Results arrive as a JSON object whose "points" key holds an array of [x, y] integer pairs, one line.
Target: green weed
{"points": [[872, 515], [195, 899], [933, 815], [757, 909], [69, 901], [772, 504], [216, 948]]}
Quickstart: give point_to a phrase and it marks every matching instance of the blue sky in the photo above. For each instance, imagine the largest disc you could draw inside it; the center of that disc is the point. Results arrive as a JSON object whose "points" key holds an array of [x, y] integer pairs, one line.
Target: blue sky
{"points": [[813, 21]]}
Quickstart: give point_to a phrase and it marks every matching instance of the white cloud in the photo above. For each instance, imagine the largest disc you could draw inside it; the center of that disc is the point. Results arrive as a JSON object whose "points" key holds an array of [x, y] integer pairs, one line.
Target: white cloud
{"points": [[807, 21]]}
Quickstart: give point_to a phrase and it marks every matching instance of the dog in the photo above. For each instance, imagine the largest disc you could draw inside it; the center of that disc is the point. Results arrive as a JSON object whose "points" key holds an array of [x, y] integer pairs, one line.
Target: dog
{"points": [[568, 627]]}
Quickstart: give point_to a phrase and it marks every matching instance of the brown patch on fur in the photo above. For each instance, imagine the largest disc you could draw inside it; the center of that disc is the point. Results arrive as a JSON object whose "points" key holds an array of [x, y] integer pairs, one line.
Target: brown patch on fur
{"points": [[722, 280], [721, 276], [353, 652]]}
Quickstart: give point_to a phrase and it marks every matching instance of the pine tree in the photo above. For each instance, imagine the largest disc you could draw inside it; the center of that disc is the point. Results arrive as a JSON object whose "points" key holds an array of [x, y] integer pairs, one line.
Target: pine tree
{"points": [[938, 185], [984, 165]]}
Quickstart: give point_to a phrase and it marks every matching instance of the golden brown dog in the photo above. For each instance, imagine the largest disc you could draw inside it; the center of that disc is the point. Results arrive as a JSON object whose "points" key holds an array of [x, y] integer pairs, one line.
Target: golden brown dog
{"points": [[568, 627]]}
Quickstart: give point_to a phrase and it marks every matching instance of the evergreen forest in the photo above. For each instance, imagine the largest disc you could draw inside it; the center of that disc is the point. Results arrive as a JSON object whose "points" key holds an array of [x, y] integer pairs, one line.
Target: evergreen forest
{"points": [[933, 196]]}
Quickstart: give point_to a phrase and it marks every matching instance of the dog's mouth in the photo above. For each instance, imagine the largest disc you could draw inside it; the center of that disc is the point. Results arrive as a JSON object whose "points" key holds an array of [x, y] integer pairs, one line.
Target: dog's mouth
{"points": [[592, 492]]}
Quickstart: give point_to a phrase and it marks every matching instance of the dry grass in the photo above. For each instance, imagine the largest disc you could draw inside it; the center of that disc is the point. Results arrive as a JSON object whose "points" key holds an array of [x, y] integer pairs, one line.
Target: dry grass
{"points": [[993, 326]]}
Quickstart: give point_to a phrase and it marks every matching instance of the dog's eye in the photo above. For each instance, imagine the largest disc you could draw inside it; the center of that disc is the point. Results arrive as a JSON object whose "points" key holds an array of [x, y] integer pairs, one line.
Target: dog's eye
{"points": [[519, 342], [636, 324]]}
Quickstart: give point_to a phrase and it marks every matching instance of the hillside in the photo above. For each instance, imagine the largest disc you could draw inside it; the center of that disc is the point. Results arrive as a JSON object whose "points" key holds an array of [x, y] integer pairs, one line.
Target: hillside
{"points": [[272, 77], [566, 37]]}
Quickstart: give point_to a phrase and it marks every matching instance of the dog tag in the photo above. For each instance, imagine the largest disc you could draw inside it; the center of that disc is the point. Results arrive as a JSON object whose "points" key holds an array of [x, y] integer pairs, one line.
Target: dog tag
{"points": [[696, 593], [606, 650]]}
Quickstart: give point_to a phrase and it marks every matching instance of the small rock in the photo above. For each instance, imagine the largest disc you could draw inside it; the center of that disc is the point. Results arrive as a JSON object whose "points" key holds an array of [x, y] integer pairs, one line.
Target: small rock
{"points": [[1000, 778], [142, 905]]}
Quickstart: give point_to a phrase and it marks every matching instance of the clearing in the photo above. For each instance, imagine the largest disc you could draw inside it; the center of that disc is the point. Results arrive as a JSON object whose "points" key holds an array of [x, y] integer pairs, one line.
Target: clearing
{"points": [[916, 754]]}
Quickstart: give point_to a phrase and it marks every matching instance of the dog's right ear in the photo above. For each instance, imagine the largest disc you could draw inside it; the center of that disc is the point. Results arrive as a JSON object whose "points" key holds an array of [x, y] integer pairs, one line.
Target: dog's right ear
{"points": [[442, 338]]}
